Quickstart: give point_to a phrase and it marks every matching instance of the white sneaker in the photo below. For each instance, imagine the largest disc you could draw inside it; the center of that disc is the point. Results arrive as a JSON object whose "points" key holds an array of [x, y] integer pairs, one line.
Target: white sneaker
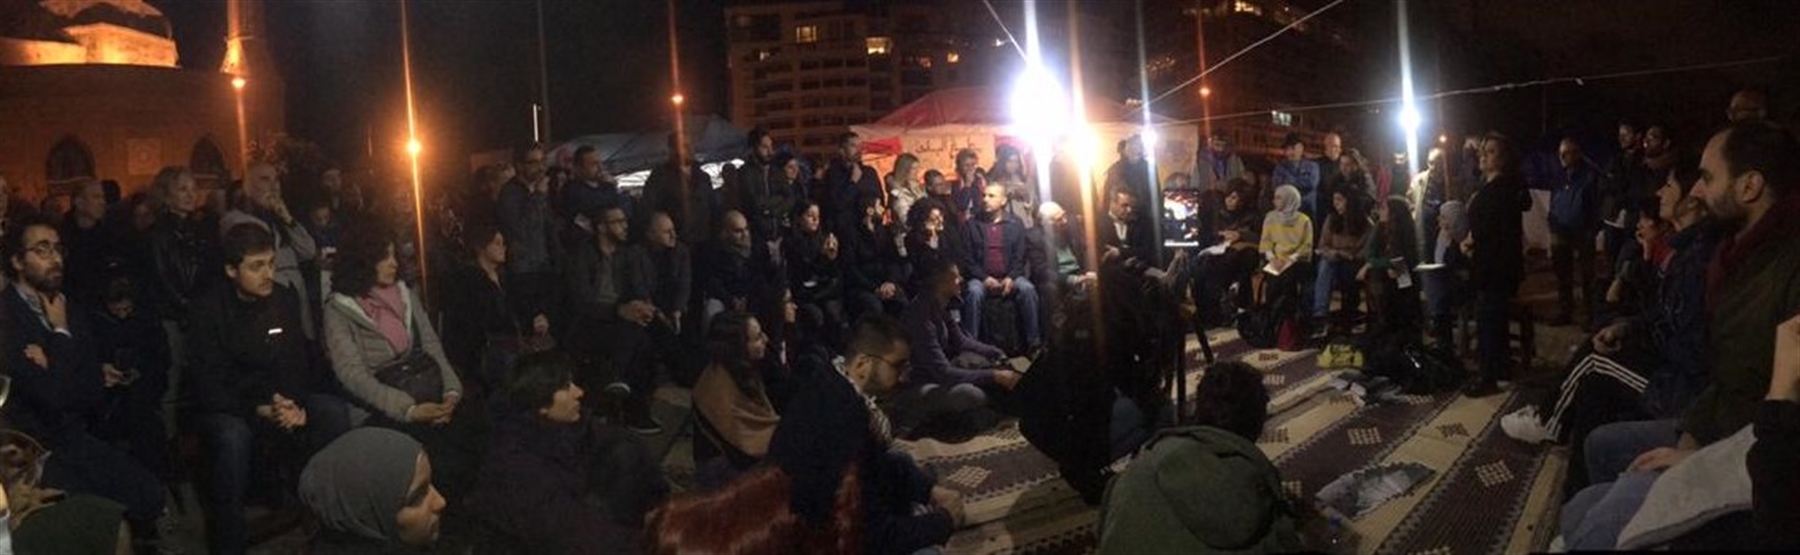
{"points": [[1525, 425]]}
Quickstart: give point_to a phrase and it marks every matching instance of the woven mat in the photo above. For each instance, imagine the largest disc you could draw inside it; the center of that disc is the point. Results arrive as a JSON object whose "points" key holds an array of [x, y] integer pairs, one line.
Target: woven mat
{"points": [[1490, 494]]}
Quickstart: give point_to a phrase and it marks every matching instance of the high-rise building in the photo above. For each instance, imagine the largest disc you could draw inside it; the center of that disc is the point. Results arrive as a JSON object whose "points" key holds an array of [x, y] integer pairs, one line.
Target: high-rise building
{"points": [[1319, 61], [806, 70]]}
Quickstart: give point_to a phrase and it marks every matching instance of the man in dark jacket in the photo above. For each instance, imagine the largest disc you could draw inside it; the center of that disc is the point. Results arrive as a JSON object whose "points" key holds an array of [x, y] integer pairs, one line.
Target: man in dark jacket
{"points": [[833, 421], [532, 233], [591, 189], [732, 273], [682, 190], [1123, 229], [255, 379], [1496, 245], [763, 191], [58, 381], [1574, 217], [997, 265], [89, 240], [952, 366], [609, 309], [846, 180], [874, 271]]}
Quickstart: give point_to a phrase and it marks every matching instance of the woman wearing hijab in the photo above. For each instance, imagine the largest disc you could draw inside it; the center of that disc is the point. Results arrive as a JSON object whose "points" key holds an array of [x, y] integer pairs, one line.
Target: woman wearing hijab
{"points": [[371, 491], [1287, 245]]}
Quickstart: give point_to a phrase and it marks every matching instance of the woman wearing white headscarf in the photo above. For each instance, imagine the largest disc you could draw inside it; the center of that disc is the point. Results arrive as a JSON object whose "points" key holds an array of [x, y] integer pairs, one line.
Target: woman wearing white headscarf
{"points": [[1287, 245], [371, 491]]}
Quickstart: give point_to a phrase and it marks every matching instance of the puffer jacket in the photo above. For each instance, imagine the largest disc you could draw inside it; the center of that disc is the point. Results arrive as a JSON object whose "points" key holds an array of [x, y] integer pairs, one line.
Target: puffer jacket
{"points": [[1198, 490]]}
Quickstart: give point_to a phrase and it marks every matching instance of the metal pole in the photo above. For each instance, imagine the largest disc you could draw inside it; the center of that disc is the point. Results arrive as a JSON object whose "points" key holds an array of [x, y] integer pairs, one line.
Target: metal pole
{"points": [[543, 81]]}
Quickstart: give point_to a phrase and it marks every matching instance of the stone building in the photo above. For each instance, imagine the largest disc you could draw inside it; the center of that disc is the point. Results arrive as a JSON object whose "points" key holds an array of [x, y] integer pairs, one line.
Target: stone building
{"points": [[93, 89]]}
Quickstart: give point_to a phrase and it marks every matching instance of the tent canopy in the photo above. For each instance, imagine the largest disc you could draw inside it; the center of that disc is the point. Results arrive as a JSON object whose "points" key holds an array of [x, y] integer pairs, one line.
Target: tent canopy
{"points": [[713, 139]]}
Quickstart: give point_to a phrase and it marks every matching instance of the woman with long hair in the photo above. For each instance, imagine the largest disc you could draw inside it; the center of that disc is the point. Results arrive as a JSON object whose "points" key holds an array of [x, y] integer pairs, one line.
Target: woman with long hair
{"points": [[934, 234], [1340, 252], [1387, 270], [905, 186], [814, 270], [736, 418]]}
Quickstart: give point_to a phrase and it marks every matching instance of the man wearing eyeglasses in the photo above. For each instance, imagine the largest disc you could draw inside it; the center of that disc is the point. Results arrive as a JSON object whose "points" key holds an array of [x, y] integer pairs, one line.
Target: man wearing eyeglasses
{"points": [[58, 383], [609, 309]]}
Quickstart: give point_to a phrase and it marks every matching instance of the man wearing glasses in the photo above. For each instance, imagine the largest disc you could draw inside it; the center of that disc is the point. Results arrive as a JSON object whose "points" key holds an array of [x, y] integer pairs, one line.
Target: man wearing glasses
{"points": [[58, 383], [529, 223], [609, 310]]}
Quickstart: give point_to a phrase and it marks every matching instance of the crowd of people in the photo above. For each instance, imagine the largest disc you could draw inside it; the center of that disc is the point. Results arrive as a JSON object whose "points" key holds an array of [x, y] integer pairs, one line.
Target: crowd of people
{"points": [[502, 368]]}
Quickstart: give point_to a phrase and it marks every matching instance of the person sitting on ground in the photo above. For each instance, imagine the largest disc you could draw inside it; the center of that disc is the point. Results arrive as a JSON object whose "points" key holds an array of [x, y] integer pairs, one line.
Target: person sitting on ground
{"points": [[873, 270], [815, 271], [731, 271], [58, 382], [371, 492], [953, 367], [736, 416], [254, 377], [547, 457], [1205, 488], [484, 328], [833, 424], [930, 237], [1340, 251], [134, 356], [996, 266]]}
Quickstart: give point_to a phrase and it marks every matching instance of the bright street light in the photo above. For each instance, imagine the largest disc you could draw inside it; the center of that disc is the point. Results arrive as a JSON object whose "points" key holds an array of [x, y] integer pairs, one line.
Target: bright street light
{"points": [[678, 99], [1410, 120], [238, 83], [1205, 91], [413, 147]]}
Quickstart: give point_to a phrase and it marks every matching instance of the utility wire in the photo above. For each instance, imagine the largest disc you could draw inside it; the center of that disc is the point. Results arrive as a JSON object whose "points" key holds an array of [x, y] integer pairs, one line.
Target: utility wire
{"points": [[1583, 80], [1215, 67], [1009, 35]]}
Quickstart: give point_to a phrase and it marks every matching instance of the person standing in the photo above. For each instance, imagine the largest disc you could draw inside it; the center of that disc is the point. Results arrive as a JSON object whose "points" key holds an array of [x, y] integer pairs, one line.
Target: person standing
{"points": [[594, 188], [764, 190], [1130, 175], [1573, 222], [1294, 169], [1216, 165], [530, 226], [681, 190], [1496, 248], [846, 180]]}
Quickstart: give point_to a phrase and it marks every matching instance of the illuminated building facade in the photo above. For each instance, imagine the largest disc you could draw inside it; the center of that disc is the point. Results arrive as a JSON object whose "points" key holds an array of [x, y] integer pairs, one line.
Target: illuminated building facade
{"points": [[808, 70], [94, 89]]}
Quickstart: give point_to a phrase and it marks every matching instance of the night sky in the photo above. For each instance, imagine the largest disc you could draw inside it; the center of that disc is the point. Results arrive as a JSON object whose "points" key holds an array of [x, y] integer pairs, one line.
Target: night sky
{"points": [[475, 63]]}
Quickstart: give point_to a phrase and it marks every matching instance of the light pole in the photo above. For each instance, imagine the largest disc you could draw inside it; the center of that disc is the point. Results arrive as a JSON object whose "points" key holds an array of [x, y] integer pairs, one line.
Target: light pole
{"points": [[237, 92]]}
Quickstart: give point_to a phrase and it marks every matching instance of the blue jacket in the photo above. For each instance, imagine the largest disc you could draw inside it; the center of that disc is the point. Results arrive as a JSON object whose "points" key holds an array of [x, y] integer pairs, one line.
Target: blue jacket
{"points": [[1303, 175], [1677, 325], [1574, 200], [1012, 245]]}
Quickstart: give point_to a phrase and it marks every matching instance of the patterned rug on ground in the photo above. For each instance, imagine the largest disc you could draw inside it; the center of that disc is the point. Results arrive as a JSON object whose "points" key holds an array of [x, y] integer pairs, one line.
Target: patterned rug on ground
{"points": [[1489, 494]]}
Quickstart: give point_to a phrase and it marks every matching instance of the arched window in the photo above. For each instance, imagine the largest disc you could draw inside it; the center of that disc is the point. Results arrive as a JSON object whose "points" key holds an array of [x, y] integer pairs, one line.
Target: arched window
{"points": [[69, 160], [208, 165]]}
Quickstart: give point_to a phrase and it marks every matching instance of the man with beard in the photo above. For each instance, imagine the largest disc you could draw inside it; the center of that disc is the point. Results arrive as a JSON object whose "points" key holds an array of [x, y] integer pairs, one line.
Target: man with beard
{"points": [[530, 226], [1131, 174], [610, 306], [846, 180], [682, 191], [763, 191], [58, 383], [1750, 183], [1216, 164]]}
